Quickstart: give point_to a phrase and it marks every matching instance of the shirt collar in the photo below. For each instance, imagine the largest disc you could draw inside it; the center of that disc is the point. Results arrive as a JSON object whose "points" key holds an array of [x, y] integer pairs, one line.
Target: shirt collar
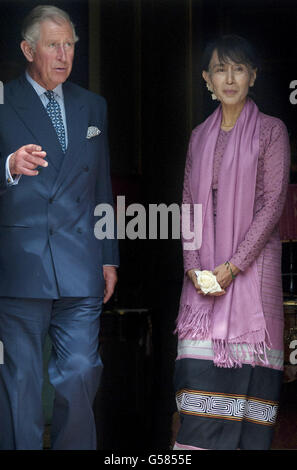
{"points": [[40, 90]]}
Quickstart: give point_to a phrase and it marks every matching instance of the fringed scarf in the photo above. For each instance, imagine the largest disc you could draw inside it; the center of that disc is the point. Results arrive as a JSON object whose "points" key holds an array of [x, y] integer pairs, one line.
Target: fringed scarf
{"points": [[236, 318]]}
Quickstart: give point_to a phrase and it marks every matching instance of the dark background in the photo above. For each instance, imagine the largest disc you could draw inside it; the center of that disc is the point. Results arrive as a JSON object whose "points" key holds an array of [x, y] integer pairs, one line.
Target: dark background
{"points": [[144, 57]]}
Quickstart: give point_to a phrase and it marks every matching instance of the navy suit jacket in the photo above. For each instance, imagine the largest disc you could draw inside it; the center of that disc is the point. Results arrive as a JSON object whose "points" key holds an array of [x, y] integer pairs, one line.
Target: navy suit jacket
{"points": [[47, 243]]}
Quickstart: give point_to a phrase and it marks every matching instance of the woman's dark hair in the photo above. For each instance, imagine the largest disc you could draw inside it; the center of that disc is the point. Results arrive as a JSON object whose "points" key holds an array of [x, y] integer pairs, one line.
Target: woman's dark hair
{"points": [[230, 47]]}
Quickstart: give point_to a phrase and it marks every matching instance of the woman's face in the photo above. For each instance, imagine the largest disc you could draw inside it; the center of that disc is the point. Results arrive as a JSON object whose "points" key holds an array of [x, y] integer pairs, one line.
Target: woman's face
{"points": [[229, 81]]}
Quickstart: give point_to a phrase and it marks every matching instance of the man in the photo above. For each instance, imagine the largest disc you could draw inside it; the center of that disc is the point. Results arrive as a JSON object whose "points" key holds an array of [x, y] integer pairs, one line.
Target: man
{"points": [[54, 273]]}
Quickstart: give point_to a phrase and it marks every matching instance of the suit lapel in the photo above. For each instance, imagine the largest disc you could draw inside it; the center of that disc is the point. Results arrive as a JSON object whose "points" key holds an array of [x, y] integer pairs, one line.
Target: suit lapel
{"points": [[77, 127], [32, 112]]}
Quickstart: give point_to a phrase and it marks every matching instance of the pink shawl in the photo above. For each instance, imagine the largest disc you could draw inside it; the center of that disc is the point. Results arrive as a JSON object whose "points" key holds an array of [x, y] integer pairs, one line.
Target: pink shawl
{"points": [[237, 317]]}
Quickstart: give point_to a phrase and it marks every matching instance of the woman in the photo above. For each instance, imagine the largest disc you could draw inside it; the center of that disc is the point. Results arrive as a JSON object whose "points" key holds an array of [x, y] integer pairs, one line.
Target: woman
{"points": [[230, 343]]}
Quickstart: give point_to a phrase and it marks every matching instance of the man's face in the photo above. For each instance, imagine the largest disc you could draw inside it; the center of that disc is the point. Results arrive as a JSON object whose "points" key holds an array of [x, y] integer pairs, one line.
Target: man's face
{"points": [[51, 62]]}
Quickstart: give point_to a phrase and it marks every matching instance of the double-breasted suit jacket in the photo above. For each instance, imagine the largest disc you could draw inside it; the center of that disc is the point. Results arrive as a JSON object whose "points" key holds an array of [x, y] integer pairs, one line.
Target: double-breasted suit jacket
{"points": [[47, 242]]}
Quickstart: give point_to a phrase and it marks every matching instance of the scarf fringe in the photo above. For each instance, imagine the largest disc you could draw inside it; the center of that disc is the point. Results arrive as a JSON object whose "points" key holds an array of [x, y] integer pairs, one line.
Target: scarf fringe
{"points": [[193, 323], [232, 354]]}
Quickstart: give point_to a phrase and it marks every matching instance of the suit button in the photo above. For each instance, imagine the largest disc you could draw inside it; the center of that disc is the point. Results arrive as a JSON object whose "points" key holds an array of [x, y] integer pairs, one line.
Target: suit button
{"points": [[79, 230], [51, 232], [78, 199], [51, 200], [86, 168]]}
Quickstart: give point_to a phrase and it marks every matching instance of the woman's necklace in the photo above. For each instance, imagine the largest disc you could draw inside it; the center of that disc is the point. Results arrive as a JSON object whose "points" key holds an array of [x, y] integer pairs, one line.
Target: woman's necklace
{"points": [[227, 128], [224, 125]]}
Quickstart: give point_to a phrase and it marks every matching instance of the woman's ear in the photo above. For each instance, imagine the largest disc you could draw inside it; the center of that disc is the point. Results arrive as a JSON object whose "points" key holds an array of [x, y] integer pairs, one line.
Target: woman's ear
{"points": [[253, 77], [205, 75], [27, 51], [209, 86]]}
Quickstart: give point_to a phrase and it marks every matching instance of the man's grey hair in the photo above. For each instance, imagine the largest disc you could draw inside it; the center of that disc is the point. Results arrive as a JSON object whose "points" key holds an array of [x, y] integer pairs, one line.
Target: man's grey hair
{"points": [[31, 25]]}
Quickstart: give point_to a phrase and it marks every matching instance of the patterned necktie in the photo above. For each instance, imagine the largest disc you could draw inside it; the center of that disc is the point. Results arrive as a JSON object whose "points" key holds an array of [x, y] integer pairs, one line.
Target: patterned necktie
{"points": [[54, 112]]}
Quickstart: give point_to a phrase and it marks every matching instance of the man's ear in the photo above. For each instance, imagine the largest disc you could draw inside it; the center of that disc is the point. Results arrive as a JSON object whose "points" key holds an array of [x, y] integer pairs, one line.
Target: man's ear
{"points": [[27, 51]]}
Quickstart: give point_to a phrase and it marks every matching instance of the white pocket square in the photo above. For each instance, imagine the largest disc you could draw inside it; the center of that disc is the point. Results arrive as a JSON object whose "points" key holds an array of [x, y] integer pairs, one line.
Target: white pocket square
{"points": [[93, 131]]}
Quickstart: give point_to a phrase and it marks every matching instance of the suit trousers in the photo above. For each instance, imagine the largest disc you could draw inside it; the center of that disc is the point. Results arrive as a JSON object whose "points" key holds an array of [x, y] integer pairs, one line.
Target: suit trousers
{"points": [[74, 371]]}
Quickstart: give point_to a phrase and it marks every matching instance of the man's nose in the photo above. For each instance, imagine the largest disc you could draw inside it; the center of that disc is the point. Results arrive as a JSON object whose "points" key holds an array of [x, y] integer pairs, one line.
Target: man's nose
{"points": [[61, 54]]}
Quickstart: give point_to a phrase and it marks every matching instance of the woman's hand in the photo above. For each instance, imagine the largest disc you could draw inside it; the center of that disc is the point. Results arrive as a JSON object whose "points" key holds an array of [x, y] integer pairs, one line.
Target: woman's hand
{"points": [[192, 276], [223, 274]]}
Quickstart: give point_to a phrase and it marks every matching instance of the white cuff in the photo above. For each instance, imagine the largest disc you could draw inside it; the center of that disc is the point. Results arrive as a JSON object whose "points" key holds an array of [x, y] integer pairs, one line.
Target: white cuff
{"points": [[9, 179]]}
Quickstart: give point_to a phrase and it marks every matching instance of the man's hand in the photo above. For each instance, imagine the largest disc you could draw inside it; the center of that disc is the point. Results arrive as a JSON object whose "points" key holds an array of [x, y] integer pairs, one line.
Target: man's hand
{"points": [[111, 278], [26, 159]]}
